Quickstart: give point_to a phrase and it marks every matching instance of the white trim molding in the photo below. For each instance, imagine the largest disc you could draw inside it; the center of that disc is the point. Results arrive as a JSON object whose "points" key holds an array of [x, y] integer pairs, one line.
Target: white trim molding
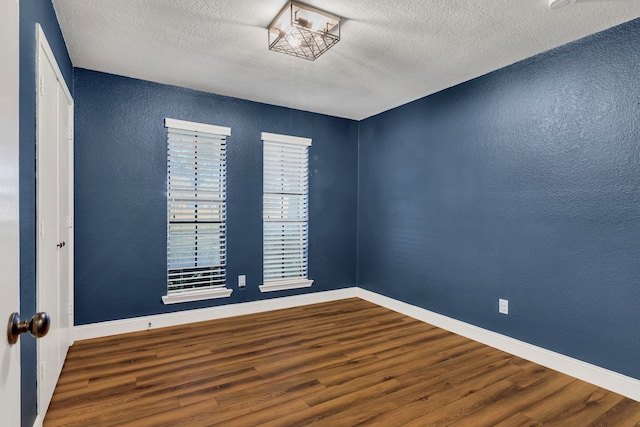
{"points": [[286, 139], [38, 421], [196, 295], [281, 285], [607, 379], [41, 41], [197, 127]]}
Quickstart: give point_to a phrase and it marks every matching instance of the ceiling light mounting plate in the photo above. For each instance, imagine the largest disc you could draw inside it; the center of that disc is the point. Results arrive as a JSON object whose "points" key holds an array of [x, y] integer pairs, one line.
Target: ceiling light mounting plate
{"points": [[303, 31]]}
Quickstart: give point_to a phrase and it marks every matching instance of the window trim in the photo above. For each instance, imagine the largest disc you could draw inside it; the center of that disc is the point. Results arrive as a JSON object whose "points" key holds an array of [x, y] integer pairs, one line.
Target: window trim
{"points": [[284, 284], [206, 293], [285, 139], [198, 295], [197, 127], [289, 283]]}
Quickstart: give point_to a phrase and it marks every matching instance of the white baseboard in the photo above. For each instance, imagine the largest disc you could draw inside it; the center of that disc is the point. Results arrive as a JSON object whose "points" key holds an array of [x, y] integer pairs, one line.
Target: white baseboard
{"points": [[610, 380], [115, 327]]}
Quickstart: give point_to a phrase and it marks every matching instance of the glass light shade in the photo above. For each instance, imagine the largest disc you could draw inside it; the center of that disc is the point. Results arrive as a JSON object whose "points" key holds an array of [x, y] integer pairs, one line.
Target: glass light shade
{"points": [[303, 31]]}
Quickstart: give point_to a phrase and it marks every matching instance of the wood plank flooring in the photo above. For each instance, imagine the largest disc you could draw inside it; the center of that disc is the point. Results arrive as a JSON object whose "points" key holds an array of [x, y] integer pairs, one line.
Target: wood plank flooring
{"points": [[341, 363]]}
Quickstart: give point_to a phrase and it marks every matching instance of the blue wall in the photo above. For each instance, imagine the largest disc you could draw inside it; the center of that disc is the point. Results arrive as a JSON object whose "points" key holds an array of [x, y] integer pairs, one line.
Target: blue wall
{"points": [[32, 12], [120, 193], [522, 184]]}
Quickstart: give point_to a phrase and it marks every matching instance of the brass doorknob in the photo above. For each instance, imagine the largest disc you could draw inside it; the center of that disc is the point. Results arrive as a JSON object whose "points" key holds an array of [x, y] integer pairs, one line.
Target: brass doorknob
{"points": [[38, 326]]}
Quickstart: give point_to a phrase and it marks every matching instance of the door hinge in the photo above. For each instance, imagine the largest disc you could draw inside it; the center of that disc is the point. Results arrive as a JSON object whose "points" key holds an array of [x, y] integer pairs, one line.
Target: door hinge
{"points": [[42, 373], [69, 221], [70, 134], [42, 229], [41, 86], [70, 309]]}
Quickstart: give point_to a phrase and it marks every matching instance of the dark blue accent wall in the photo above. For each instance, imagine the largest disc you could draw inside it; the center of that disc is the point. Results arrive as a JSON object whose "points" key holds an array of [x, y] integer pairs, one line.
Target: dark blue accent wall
{"points": [[120, 193], [522, 184], [32, 12]]}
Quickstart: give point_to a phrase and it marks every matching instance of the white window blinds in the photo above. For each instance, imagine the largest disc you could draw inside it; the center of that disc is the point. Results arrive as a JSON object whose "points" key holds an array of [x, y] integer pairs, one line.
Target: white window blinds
{"points": [[285, 212], [196, 210]]}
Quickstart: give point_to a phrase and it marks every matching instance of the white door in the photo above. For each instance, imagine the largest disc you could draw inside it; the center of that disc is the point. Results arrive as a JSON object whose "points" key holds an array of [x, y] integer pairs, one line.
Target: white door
{"points": [[65, 228], [9, 236], [54, 206]]}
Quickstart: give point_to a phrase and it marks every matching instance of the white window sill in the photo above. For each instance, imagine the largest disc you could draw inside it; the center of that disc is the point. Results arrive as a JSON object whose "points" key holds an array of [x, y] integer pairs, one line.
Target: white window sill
{"points": [[281, 285], [199, 295]]}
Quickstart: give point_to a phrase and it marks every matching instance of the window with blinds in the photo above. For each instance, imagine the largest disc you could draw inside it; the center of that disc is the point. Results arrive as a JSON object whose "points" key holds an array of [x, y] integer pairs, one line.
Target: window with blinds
{"points": [[196, 211], [285, 212]]}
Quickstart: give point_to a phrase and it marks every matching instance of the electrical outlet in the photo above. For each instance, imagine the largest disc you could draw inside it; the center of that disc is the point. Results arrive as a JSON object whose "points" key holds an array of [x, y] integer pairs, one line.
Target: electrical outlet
{"points": [[503, 306], [242, 281]]}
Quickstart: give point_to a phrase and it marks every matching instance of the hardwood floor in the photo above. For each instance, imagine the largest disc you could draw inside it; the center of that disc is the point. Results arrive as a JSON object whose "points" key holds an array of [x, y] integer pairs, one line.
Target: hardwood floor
{"points": [[340, 363]]}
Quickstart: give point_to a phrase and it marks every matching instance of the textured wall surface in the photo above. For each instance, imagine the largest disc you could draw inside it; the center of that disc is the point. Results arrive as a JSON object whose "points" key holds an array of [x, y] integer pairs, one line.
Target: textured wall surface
{"points": [[120, 190], [32, 12], [522, 184]]}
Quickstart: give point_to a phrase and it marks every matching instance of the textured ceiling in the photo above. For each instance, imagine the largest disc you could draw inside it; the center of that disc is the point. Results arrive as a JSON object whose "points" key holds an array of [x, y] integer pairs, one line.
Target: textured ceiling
{"points": [[391, 52]]}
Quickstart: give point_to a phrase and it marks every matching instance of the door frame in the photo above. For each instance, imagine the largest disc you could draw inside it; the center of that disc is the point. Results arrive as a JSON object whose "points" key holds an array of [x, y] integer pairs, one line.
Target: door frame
{"points": [[10, 383], [44, 53]]}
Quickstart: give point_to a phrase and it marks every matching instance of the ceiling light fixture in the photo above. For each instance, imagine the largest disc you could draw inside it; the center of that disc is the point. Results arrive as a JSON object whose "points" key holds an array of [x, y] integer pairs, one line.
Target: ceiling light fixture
{"points": [[303, 31]]}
